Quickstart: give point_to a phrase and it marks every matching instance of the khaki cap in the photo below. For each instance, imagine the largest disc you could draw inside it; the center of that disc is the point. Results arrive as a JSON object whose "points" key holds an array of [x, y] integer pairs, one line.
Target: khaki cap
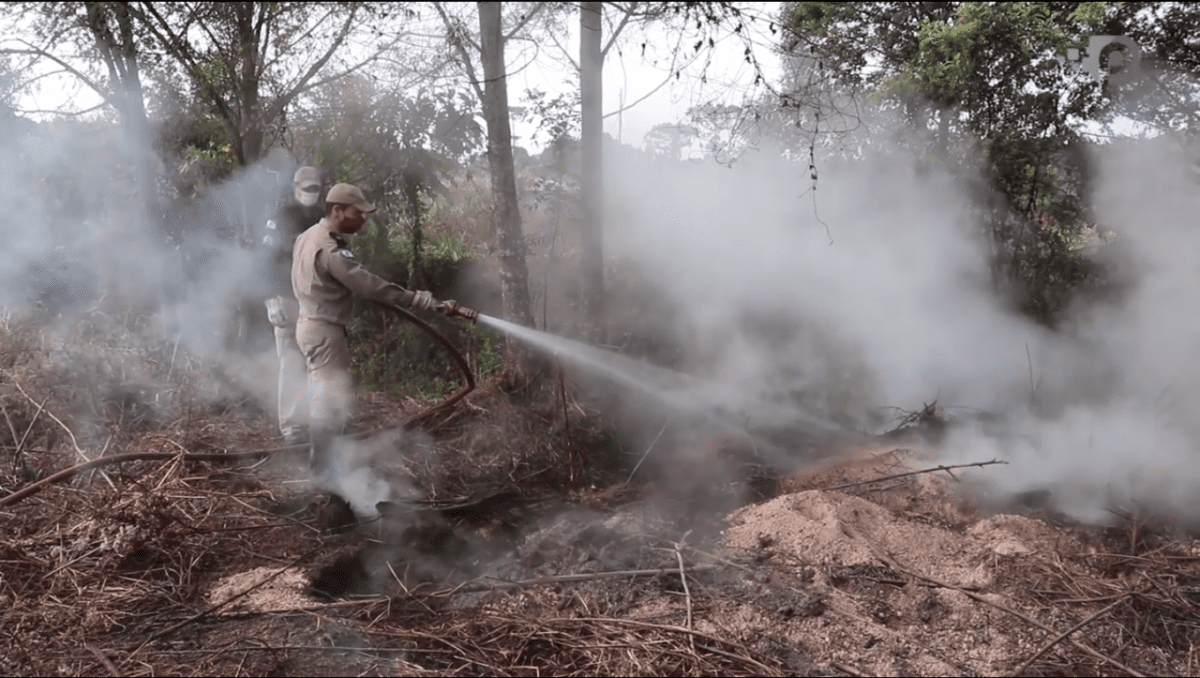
{"points": [[307, 176], [349, 194]]}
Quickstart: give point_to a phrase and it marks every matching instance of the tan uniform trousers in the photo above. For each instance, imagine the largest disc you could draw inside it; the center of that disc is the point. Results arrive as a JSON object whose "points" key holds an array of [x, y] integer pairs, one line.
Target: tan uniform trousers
{"points": [[327, 355], [293, 373]]}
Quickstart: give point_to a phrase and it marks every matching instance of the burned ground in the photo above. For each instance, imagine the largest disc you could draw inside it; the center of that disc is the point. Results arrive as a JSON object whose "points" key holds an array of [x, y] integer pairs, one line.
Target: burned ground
{"points": [[516, 555]]}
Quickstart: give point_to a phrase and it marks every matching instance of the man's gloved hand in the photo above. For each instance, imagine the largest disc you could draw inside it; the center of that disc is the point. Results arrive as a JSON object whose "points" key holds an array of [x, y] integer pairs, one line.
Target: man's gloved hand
{"points": [[269, 238], [422, 300]]}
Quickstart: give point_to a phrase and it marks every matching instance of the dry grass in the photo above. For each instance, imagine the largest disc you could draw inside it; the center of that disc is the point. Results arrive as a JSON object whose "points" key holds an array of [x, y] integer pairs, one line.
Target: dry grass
{"points": [[111, 571]]}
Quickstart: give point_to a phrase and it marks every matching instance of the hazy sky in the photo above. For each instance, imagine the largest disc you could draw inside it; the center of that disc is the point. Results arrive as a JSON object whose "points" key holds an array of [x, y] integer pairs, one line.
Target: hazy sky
{"points": [[631, 75]]}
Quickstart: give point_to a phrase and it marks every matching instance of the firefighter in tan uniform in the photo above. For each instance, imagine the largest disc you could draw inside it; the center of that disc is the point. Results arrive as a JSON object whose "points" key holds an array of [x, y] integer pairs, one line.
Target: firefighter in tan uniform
{"points": [[325, 278]]}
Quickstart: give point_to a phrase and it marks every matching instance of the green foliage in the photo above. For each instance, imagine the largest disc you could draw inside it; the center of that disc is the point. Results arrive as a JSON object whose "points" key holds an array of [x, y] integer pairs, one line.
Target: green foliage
{"points": [[1090, 14], [386, 248], [983, 76], [403, 360], [1167, 94], [395, 356]]}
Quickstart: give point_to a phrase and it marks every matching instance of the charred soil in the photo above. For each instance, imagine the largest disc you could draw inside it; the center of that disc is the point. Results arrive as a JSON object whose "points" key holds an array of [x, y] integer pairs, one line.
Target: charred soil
{"points": [[512, 555]]}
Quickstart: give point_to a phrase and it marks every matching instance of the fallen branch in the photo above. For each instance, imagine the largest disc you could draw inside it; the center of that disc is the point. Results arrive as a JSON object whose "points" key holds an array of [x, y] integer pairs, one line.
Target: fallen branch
{"points": [[70, 434], [28, 430], [848, 670], [73, 471], [913, 473], [476, 586], [647, 452], [686, 591], [1063, 636]]}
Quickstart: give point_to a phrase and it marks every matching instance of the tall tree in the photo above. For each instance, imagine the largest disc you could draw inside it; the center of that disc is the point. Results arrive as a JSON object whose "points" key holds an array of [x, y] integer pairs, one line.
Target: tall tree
{"points": [[388, 139], [1167, 93], [506, 215], [107, 60], [591, 65], [594, 48], [507, 230]]}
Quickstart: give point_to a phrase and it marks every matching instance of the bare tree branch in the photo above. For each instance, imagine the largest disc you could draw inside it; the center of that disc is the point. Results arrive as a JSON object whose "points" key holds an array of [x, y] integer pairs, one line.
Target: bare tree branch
{"points": [[457, 36], [302, 84], [92, 84], [287, 47], [616, 32], [524, 20]]}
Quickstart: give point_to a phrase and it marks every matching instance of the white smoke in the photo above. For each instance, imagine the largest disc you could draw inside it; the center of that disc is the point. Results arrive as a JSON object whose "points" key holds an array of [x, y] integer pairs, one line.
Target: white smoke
{"points": [[82, 241], [898, 310]]}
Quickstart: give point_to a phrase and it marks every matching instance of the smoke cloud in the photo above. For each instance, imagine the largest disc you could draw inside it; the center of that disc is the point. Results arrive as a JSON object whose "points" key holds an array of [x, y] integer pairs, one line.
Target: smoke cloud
{"points": [[82, 242], [877, 294]]}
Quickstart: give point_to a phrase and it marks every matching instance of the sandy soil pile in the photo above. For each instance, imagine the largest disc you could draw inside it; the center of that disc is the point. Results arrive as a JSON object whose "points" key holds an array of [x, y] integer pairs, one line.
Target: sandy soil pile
{"points": [[939, 590]]}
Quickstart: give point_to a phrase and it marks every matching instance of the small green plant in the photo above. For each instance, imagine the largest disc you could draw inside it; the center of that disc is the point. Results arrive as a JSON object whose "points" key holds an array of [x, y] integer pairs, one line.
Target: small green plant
{"points": [[490, 355]]}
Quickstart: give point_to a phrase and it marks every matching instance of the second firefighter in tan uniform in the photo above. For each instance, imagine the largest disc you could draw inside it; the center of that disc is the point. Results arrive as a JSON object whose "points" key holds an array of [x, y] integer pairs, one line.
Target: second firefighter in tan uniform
{"points": [[325, 278]]}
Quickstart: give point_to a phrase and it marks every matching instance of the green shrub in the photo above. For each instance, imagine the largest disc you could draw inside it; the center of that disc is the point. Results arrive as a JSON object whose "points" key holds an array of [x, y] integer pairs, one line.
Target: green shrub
{"points": [[395, 356]]}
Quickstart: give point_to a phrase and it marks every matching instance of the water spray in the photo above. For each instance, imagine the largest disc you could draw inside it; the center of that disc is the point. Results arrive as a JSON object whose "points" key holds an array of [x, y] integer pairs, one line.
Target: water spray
{"points": [[679, 391]]}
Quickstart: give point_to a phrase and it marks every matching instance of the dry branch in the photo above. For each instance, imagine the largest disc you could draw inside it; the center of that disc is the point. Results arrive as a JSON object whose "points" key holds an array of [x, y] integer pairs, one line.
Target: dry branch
{"points": [[1026, 618], [1063, 636], [477, 586], [912, 473], [73, 471]]}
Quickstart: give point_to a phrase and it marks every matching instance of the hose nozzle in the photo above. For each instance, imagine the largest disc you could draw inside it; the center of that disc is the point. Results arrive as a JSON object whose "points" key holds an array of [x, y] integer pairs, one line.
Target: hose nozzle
{"points": [[452, 308]]}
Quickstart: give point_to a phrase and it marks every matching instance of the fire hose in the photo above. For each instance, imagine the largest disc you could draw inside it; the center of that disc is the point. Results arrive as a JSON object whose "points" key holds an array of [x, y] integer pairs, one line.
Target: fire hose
{"points": [[449, 308]]}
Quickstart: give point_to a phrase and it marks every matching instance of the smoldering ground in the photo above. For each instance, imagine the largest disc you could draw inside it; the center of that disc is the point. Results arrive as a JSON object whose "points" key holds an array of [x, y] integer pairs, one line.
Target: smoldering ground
{"points": [[878, 294]]}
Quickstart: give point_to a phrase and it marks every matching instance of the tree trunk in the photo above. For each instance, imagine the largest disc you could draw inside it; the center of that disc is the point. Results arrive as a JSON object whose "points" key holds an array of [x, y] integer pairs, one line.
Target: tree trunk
{"points": [[591, 64], [119, 54], [506, 218], [251, 142], [412, 195]]}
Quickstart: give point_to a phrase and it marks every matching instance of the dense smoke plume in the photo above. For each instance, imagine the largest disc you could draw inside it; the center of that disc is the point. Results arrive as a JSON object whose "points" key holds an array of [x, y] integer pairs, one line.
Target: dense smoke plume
{"points": [[82, 243], [877, 295]]}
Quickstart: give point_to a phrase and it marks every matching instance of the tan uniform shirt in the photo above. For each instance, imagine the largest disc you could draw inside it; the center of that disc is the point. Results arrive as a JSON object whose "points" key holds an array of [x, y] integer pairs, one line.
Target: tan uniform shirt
{"points": [[326, 277]]}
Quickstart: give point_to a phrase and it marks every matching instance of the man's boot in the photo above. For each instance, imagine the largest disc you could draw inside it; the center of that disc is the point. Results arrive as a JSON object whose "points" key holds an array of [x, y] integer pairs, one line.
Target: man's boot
{"points": [[320, 454], [295, 436]]}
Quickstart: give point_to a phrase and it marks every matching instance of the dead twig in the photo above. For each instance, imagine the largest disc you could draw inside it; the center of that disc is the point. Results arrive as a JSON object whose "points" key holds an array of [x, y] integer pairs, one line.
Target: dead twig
{"points": [[112, 668], [1026, 618], [648, 450], [686, 591], [846, 669], [66, 473], [1063, 636], [70, 434], [935, 469], [28, 430], [745, 658], [476, 586], [197, 617]]}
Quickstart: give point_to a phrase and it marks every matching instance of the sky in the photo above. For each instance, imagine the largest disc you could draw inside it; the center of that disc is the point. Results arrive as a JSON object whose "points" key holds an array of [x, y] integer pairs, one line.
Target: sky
{"points": [[633, 77], [642, 81]]}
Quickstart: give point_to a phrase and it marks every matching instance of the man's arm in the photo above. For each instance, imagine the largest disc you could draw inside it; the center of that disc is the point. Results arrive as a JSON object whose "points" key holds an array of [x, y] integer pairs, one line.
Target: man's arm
{"points": [[347, 270]]}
